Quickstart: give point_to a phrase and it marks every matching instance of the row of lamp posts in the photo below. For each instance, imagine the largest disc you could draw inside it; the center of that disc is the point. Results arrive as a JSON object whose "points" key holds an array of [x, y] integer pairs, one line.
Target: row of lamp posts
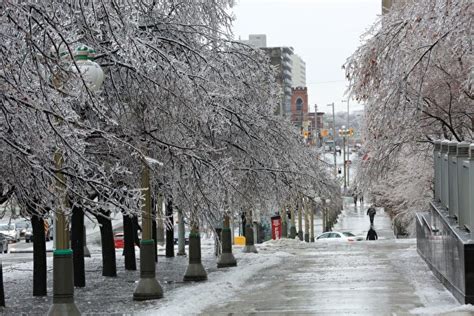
{"points": [[148, 287], [289, 229]]}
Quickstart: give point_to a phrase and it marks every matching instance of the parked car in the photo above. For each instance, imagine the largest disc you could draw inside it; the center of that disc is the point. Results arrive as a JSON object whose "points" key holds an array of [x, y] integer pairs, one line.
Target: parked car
{"points": [[340, 236], [10, 231], [24, 227], [3, 243], [29, 235]]}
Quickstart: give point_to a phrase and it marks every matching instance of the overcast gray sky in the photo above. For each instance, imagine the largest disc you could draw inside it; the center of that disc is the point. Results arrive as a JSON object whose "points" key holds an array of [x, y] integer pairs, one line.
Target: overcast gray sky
{"points": [[323, 32]]}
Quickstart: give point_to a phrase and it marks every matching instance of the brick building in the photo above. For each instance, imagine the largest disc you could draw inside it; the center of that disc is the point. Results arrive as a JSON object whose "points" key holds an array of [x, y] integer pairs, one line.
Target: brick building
{"points": [[309, 123]]}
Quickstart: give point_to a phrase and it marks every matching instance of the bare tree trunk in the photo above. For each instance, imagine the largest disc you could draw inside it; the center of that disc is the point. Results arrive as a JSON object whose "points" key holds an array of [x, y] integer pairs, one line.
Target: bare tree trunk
{"points": [[77, 245], [244, 223], [2, 292], [181, 234], [169, 230], [109, 267], [153, 227], [39, 256], [129, 243]]}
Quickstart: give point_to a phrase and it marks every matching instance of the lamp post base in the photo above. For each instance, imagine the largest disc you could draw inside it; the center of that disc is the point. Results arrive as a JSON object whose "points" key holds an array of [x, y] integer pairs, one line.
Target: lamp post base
{"points": [[226, 260], [292, 232], [60, 309], [195, 272], [63, 285], [249, 249], [148, 287]]}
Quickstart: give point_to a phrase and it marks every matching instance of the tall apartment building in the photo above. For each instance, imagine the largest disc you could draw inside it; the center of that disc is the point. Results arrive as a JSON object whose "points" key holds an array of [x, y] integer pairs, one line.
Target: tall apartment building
{"points": [[298, 72], [256, 40], [281, 58]]}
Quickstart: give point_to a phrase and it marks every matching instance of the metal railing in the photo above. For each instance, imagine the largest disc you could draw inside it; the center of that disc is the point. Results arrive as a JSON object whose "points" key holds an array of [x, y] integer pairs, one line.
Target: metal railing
{"points": [[454, 180]]}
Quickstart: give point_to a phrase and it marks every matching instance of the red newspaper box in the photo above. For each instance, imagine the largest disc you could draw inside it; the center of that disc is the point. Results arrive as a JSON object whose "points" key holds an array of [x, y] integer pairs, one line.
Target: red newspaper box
{"points": [[276, 227]]}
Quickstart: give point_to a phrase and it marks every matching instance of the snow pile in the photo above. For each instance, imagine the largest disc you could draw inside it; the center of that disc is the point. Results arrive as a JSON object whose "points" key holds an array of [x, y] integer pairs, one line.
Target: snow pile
{"points": [[283, 242], [221, 286]]}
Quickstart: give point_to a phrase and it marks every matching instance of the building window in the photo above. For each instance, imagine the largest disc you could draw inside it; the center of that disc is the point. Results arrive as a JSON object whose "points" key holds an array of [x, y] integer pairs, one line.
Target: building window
{"points": [[299, 104]]}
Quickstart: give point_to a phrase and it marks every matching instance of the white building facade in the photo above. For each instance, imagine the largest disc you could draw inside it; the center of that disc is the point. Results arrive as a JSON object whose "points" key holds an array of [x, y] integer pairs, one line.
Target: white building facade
{"points": [[298, 72]]}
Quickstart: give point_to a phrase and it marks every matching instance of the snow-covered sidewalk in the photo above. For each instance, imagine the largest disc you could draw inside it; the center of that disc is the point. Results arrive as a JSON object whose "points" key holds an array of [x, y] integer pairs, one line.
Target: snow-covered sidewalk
{"points": [[286, 277], [222, 286], [107, 295]]}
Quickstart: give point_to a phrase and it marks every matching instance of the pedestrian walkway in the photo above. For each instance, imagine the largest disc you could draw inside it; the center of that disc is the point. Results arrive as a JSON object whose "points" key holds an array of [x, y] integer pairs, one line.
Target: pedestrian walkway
{"points": [[384, 277], [354, 218]]}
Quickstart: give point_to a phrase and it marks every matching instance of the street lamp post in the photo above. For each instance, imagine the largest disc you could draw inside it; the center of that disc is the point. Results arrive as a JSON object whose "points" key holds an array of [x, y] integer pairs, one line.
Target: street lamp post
{"points": [[63, 276], [148, 287], [334, 137]]}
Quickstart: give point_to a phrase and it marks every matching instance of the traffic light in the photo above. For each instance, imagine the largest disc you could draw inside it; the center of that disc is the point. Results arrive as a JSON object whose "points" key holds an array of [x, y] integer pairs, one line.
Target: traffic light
{"points": [[351, 132]]}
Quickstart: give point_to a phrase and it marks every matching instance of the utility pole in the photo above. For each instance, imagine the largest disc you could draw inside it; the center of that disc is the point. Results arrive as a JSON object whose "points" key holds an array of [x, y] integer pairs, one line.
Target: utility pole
{"points": [[348, 152], [334, 137]]}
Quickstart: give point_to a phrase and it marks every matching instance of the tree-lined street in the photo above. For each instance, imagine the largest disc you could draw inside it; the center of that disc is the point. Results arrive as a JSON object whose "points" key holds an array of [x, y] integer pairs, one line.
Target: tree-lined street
{"points": [[204, 180]]}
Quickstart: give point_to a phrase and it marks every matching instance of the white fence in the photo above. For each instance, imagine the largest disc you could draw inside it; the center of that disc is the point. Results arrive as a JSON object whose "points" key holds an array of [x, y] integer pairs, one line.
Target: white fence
{"points": [[454, 180]]}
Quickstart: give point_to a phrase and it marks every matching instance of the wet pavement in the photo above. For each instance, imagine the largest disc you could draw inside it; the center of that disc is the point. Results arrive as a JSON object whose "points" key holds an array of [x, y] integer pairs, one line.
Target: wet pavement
{"points": [[384, 277]]}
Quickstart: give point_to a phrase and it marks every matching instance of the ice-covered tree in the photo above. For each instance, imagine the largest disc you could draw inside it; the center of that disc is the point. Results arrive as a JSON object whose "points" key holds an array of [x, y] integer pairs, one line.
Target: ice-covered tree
{"points": [[414, 73]]}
